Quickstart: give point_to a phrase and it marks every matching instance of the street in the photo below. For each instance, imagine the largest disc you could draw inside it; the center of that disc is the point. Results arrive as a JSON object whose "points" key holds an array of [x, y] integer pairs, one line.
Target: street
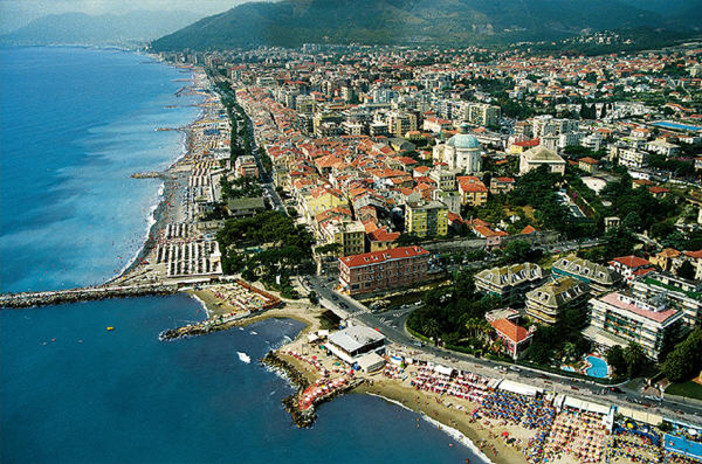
{"points": [[392, 324]]}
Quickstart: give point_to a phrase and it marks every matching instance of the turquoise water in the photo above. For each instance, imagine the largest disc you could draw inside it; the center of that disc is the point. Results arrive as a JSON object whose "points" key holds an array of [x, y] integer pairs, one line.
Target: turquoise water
{"points": [[75, 124], [598, 367], [683, 446]]}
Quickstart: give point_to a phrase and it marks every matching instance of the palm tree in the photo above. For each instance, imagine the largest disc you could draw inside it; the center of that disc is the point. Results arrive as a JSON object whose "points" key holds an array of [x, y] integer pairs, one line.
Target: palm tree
{"points": [[432, 330], [569, 350]]}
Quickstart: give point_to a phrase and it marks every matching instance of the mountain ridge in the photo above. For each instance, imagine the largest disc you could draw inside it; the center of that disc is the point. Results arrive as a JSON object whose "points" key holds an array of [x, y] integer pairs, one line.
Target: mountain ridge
{"points": [[294, 22], [136, 26]]}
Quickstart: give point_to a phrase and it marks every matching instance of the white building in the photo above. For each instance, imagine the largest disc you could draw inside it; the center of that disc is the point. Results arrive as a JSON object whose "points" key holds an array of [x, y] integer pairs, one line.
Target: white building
{"points": [[618, 319], [462, 152], [354, 342], [538, 156]]}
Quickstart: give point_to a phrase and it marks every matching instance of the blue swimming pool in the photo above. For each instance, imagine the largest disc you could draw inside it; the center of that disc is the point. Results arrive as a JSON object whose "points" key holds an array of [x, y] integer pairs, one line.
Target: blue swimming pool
{"points": [[678, 126], [683, 446], [598, 367]]}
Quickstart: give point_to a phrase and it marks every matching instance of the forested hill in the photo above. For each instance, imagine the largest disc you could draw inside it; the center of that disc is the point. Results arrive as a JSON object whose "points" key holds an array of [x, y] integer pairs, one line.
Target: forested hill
{"points": [[294, 22]]}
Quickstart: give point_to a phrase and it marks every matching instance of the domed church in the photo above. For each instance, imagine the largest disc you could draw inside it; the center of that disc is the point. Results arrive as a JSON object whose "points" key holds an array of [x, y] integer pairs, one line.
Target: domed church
{"points": [[462, 152]]}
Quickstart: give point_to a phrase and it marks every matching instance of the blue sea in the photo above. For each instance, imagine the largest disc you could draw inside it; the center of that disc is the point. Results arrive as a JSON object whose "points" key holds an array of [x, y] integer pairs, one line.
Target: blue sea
{"points": [[75, 124]]}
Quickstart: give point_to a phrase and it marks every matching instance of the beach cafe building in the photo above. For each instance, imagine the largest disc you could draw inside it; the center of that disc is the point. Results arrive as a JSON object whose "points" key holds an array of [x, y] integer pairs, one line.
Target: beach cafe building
{"points": [[354, 342]]}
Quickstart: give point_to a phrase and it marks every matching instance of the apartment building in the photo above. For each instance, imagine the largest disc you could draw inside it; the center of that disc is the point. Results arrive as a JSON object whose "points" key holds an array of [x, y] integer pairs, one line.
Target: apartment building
{"points": [[383, 270]]}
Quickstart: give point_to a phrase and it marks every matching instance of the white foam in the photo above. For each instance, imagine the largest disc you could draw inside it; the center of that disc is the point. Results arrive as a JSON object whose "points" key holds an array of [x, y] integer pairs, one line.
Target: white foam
{"points": [[243, 357], [453, 433], [202, 303]]}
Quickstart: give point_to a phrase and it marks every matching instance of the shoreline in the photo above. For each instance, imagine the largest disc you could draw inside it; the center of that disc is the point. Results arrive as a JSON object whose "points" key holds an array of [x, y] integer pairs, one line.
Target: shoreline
{"points": [[163, 210], [450, 431], [452, 422]]}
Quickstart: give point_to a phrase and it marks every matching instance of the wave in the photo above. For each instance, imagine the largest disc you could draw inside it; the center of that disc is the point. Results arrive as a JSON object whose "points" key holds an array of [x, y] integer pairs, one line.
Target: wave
{"points": [[202, 304], [450, 431], [243, 357]]}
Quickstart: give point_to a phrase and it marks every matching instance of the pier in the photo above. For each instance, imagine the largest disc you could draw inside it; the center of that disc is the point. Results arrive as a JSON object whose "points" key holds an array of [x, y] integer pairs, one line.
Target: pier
{"points": [[36, 299], [146, 175], [302, 404]]}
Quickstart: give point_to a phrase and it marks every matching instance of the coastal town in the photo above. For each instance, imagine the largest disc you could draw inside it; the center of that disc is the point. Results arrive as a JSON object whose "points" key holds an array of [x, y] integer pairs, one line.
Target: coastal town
{"points": [[509, 243]]}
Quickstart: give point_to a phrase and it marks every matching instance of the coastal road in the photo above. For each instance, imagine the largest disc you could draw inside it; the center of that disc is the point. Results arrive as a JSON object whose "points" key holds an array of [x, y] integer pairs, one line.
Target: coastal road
{"points": [[392, 324]]}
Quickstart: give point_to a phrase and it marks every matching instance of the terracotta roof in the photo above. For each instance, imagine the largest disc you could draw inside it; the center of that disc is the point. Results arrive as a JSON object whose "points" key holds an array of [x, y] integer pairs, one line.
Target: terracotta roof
{"points": [[528, 143], [377, 257], [694, 254], [656, 189], [631, 261], [382, 235], [527, 230], [509, 329], [588, 160]]}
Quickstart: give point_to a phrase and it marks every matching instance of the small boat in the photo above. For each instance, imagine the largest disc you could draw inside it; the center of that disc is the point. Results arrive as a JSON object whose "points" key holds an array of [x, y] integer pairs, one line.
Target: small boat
{"points": [[110, 329]]}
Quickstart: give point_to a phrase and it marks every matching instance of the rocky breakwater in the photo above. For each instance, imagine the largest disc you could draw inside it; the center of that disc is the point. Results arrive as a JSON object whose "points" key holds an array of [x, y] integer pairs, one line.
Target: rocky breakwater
{"points": [[28, 300], [202, 328], [302, 404]]}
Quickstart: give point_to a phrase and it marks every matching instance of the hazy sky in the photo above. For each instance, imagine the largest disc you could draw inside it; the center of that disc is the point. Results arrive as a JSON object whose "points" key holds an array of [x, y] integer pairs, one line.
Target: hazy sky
{"points": [[17, 13]]}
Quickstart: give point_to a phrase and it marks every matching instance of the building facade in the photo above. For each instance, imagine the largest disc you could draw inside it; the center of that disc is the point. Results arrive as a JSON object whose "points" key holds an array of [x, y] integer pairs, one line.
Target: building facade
{"points": [[546, 303], [510, 283], [599, 278], [650, 323], [383, 270], [426, 219]]}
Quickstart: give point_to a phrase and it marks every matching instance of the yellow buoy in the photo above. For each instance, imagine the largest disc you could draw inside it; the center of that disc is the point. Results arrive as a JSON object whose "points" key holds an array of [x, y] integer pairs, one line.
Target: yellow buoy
{"points": [[110, 329]]}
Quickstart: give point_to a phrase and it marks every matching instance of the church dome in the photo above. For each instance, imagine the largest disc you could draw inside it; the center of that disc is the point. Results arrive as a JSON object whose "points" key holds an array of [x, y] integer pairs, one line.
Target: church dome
{"points": [[463, 139]]}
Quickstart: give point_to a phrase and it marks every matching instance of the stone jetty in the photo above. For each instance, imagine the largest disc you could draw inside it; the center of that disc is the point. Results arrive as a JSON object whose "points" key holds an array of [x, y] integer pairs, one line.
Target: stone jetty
{"points": [[303, 411], [28, 300], [146, 175], [201, 328]]}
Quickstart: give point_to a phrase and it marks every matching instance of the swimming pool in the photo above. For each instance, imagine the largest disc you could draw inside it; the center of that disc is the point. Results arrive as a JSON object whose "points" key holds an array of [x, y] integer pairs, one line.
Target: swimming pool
{"points": [[674, 125], [683, 446], [598, 367]]}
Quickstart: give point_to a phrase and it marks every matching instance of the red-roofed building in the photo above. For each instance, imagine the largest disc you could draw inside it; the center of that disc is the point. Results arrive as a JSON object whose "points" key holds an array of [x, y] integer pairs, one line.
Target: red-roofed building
{"points": [[383, 270], [514, 338], [500, 185], [472, 190], [588, 164], [658, 192], [527, 230], [381, 239], [631, 266], [518, 147]]}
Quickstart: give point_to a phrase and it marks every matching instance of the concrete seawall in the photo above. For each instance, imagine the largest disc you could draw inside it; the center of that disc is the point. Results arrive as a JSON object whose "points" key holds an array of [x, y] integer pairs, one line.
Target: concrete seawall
{"points": [[28, 300]]}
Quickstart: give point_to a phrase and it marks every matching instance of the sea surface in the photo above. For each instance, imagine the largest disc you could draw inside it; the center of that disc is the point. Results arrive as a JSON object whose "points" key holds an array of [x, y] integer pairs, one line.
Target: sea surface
{"points": [[75, 123]]}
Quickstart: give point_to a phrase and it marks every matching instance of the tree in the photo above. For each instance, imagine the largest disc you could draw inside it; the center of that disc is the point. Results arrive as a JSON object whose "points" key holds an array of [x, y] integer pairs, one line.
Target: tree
{"points": [[632, 221], [635, 358], [615, 358], [686, 270], [570, 350], [516, 251], [620, 242], [685, 360], [313, 297], [432, 330]]}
